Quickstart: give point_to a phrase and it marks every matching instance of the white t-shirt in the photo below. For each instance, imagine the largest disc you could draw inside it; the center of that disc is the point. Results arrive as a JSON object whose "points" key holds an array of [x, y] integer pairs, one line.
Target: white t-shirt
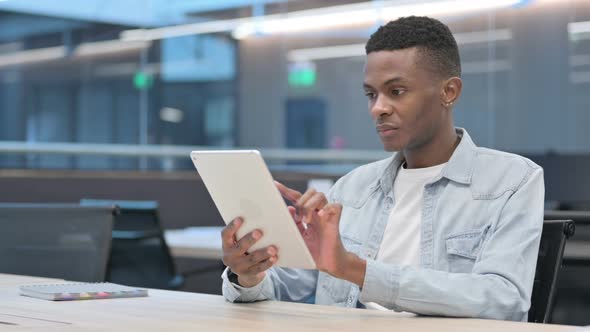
{"points": [[401, 240]]}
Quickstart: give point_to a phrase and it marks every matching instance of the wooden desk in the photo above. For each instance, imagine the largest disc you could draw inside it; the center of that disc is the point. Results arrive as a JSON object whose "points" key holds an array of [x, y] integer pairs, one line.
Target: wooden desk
{"points": [[179, 311], [195, 242]]}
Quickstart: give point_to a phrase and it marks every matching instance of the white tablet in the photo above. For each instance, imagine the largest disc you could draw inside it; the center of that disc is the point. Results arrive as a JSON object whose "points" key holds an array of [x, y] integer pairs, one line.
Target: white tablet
{"points": [[241, 185]]}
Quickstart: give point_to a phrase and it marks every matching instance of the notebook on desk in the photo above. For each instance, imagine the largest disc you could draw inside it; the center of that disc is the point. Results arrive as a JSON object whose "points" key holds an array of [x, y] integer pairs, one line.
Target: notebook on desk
{"points": [[81, 291]]}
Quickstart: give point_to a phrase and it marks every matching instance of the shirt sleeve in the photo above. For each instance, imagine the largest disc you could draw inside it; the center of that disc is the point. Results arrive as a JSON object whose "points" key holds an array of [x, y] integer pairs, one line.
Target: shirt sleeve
{"points": [[294, 285], [501, 282], [236, 293]]}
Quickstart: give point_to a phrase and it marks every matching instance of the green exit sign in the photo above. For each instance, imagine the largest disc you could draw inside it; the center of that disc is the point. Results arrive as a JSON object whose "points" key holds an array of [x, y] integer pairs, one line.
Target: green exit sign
{"points": [[302, 74], [142, 80]]}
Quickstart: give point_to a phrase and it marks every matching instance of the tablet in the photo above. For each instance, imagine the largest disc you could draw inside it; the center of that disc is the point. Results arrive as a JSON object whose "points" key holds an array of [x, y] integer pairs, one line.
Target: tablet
{"points": [[241, 185]]}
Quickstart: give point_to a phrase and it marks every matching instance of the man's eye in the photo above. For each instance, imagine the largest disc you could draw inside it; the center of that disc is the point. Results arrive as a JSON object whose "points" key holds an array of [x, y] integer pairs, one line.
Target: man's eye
{"points": [[370, 95], [397, 92]]}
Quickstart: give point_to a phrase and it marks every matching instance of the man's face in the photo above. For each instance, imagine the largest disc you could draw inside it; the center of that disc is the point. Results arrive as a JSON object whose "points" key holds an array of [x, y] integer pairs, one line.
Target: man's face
{"points": [[404, 99]]}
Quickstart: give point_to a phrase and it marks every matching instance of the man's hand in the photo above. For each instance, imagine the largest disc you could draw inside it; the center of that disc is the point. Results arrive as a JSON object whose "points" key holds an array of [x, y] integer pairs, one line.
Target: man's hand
{"points": [[250, 267], [322, 234]]}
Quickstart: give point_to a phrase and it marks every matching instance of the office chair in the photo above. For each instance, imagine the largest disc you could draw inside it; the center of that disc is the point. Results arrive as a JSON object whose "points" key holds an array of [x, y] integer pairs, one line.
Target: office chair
{"points": [[573, 287], [64, 241], [579, 217], [553, 239], [139, 253]]}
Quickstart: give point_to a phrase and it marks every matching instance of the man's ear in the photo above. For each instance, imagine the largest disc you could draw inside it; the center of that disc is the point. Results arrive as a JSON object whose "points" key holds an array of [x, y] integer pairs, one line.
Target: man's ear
{"points": [[451, 91]]}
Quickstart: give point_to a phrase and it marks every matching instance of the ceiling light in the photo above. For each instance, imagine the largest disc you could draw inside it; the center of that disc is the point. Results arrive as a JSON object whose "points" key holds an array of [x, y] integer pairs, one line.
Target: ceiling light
{"points": [[364, 13], [60, 52], [354, 50], [109, 47], [32, 56], [169, 114], [182, 30], [578, 30]]}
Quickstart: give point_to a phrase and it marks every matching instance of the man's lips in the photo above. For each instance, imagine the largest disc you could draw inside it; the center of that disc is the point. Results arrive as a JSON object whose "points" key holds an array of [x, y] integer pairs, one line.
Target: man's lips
{"points": [[385, 129]]}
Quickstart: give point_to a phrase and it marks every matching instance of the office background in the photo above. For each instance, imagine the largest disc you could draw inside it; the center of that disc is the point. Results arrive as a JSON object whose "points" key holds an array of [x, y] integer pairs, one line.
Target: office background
{"points": [[102, 98], [68, 73]]}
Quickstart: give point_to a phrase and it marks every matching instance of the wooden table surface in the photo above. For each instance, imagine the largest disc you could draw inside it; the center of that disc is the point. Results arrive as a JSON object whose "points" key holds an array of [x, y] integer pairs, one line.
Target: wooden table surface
{"points": [[195, 242], [181, 311]]}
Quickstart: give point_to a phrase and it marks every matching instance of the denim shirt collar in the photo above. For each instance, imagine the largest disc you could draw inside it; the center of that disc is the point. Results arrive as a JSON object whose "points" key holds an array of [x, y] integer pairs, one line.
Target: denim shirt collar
{"points": [[459, 168]]}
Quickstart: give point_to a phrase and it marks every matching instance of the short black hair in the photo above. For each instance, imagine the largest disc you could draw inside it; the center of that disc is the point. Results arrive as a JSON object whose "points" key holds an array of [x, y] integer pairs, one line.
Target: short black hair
{"points": [[433, 39]]}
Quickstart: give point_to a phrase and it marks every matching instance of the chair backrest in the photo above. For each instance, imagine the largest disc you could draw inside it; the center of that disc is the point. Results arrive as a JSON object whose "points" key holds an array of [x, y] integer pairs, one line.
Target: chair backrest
{"points": [[553, 239], [579, 217], [139, 253], [64, 241]]}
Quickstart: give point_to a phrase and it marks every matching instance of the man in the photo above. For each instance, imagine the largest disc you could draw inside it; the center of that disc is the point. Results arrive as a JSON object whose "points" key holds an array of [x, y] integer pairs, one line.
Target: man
{"points": [[443, 227]]}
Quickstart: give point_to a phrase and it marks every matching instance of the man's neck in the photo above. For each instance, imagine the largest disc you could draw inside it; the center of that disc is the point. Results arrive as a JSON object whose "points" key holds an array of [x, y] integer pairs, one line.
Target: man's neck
{"points": [[438, 151]]}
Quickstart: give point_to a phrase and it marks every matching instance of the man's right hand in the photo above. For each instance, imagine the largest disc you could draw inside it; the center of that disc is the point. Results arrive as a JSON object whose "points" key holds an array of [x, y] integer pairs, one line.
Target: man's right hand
{"points": [[250, 267]]}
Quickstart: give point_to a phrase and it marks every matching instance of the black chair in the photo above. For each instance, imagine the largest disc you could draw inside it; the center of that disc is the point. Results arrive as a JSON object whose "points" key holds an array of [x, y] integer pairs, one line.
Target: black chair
{"points": [[139, 253], [579, 217], [65, 241], [549, 261], [573, 287]]}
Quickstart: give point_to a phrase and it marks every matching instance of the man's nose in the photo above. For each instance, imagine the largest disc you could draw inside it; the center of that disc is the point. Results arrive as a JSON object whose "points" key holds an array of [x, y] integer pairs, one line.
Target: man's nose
{"points": [[381, 108]]}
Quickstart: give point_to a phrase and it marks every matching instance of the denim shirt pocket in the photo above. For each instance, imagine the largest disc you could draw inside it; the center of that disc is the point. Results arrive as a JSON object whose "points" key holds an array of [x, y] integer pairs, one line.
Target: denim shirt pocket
{"points": [[338, 289], [354, 199], [463, 249]]}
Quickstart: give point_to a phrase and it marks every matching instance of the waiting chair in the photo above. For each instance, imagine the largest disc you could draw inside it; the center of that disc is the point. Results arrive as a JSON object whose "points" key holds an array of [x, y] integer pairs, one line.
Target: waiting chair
{"points": [[553, 239], [65, 241], [139, 253]]}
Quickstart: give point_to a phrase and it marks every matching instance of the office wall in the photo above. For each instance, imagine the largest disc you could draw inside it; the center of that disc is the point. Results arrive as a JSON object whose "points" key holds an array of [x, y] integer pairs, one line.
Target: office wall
{"points": [[261, 93], [264, 90], [522, 95]]}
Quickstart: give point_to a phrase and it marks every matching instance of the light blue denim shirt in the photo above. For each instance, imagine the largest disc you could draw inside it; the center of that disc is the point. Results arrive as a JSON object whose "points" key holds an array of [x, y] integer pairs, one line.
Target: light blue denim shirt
{"points": [[481, 225]]}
